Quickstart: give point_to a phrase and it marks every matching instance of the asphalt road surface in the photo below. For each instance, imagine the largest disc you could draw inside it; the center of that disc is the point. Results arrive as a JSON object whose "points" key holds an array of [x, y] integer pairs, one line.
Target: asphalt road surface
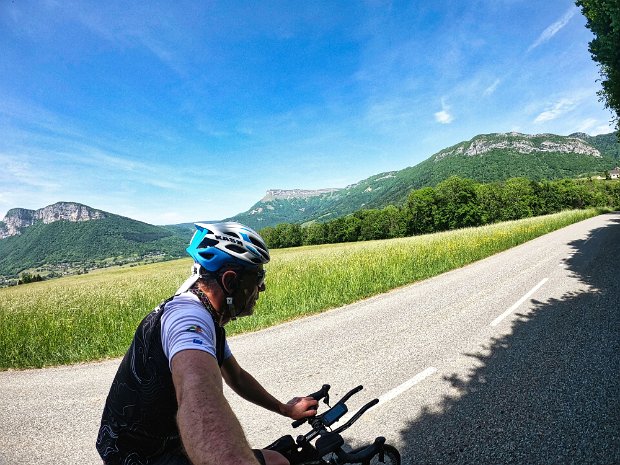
{"points": [[514, 359]]}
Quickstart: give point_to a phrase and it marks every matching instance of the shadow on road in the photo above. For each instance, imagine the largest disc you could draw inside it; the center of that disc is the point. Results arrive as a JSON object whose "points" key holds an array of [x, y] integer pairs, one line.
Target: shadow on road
{"points": [[547, 393]]}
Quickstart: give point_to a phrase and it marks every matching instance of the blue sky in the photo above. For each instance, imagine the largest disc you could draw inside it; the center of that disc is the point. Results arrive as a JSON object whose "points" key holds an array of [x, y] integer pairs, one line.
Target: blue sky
{"points": [[171, 112]]}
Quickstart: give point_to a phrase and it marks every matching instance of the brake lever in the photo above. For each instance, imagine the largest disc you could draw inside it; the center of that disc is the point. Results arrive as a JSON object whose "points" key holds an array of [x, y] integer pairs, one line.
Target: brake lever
{"points": [[322, 393]]}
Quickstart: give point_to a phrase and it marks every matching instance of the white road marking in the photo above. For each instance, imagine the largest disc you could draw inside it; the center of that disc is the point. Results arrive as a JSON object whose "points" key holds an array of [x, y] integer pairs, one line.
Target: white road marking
{"points": [[394, 392], [498, 320], [398, 390]]}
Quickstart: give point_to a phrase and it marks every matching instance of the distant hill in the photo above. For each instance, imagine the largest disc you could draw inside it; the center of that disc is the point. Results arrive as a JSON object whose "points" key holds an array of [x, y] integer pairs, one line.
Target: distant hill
{"points": [[485, 158], [68, 237]]}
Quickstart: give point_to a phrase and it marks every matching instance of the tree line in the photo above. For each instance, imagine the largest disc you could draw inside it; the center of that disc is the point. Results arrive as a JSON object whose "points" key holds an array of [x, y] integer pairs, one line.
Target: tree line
{"points": [[453, 203], [603, 17]]}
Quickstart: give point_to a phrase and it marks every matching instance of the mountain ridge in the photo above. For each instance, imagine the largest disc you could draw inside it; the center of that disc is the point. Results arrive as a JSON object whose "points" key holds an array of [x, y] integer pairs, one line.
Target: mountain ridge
{"points": [[484, 158], [17, 219], [69, 237]]}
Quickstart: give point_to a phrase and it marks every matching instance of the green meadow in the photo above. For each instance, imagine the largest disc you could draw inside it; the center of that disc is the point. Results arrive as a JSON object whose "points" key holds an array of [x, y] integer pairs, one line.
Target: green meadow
{"points": [[93, 316]]}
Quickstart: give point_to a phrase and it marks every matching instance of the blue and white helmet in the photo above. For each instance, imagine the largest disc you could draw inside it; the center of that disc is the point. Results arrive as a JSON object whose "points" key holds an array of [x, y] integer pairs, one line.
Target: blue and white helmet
{"points": [[218, 244], [215, 245]]}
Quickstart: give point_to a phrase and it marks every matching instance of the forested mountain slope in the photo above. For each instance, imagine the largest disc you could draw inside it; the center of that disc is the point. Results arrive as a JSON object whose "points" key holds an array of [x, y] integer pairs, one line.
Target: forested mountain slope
{"points": [[67, 236], [485, 158]]}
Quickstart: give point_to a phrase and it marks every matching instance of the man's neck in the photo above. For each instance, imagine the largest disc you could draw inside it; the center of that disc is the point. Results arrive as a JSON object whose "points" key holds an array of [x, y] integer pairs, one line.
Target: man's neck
{"points": [[207, 298]]}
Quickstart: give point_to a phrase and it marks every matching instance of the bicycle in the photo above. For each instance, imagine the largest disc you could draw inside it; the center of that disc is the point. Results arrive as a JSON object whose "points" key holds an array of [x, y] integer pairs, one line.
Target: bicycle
{"points": [[328, 448]]}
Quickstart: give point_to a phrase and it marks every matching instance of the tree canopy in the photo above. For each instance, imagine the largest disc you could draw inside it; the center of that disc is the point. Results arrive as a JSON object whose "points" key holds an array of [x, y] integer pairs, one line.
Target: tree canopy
{"points": [[453, 203], [603, 18]]}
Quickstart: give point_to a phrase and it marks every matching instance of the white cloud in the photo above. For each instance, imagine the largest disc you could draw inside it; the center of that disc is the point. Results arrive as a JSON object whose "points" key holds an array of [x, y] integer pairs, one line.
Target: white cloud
{"points": [[557, 109], [18, 172], [594, 127], [444, 116], [601, 129], [491, 89], [554, 28]]}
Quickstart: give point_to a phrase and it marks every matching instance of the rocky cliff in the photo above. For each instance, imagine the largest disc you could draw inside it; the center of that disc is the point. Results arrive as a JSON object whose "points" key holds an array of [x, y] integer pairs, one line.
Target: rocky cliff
{"points": [[521, 143], [17, 219], [280, 194]]}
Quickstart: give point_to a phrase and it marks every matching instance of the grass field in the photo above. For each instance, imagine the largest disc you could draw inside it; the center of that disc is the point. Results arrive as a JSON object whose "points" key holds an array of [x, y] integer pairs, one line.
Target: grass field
{"points": [[93, 316]]}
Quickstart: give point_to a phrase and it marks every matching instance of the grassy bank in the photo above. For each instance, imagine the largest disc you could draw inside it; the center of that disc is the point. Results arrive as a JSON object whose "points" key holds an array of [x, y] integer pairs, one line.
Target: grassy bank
{"points": [[94, 316]]}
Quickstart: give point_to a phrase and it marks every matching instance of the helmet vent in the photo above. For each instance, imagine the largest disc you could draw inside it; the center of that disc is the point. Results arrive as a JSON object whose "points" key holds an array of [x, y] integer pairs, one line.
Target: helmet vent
{"points": [[233, 234], [206, 242], [235, 248], [257, 243]]}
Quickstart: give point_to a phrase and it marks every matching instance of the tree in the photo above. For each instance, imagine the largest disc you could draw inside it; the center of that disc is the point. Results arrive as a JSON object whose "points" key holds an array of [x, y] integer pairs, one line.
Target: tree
{"points": [[603, 19], [420, 211], [344, 229], [491, 201], [314, 234], [26, 278], [457, 204], [381, 224], [518, 199], [290, 234]]}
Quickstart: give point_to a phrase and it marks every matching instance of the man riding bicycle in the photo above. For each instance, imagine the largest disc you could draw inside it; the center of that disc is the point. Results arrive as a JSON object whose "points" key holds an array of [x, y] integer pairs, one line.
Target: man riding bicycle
{"points": [[166, 405]]}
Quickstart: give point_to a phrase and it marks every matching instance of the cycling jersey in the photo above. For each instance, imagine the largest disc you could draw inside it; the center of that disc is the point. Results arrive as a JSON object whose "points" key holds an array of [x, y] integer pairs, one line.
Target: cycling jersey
{"points": [[138, 424]]}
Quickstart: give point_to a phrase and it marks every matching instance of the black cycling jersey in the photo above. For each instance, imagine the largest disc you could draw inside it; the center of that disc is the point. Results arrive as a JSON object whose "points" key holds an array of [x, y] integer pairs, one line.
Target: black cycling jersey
{"points": [[139, 418]]}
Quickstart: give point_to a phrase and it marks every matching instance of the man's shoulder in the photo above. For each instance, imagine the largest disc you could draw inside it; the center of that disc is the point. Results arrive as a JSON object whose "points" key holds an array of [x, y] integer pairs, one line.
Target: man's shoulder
{"points": [[186, 308], [186, 300]]}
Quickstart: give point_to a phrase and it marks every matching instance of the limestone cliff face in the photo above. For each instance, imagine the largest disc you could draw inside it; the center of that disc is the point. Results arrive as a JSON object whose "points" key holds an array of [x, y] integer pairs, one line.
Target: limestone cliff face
{"points": [[18, 219], [287, 194], [520, 143]]}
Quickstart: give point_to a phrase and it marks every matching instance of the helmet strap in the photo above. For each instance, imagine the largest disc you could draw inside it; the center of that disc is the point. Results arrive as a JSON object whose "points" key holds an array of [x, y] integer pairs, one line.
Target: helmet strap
{"points": [[231, 308]]}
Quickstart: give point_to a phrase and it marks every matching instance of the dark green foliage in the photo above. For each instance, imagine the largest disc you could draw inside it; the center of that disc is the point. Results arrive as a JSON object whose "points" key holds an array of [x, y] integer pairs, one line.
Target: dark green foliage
{"points": [[26, 278], [604, 21], [453, 203], [86, 242], [456, 204], [314, 234], [607, 144], [283, 235], [421, 209]]}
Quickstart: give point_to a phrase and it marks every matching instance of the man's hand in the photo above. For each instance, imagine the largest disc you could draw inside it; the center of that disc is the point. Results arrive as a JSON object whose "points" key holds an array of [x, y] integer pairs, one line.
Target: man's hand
{"points": [[300, 407]]}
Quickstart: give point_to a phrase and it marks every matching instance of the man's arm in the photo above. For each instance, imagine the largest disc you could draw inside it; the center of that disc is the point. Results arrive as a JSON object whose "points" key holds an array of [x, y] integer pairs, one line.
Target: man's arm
{"points": [[210, 432], [250, 389]]}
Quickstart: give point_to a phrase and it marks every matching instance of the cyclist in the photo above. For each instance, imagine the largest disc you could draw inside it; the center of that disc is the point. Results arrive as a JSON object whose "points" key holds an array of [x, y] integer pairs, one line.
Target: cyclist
{"points": [[166, 403]]}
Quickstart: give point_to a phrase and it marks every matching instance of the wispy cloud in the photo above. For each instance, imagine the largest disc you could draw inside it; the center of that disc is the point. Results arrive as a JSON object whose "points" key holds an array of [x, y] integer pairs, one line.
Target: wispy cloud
{"points": [[594, 127], [17, 171], [444, 116], [492, 88], [556, 110], [393, 111], [554, 28]]}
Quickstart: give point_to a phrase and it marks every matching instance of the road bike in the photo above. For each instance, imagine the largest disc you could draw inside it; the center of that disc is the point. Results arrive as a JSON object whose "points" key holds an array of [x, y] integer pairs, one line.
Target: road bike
{"points": [[323, 445]]}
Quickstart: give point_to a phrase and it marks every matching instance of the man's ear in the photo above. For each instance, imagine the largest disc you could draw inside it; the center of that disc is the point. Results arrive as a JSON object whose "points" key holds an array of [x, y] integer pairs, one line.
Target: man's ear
{"points": [[230, 280]]}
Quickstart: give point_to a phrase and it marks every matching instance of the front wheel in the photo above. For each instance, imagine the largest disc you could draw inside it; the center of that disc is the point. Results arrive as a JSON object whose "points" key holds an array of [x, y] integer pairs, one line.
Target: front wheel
{"points": [[391, 456]]}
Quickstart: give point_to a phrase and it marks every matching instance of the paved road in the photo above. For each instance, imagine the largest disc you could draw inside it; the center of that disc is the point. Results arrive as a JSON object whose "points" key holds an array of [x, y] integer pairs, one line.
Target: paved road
{"points": [[514, 359]]}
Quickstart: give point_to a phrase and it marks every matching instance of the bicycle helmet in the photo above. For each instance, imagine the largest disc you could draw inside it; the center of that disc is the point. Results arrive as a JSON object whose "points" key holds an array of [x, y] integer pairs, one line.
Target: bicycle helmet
{"points": [[215, 245]]}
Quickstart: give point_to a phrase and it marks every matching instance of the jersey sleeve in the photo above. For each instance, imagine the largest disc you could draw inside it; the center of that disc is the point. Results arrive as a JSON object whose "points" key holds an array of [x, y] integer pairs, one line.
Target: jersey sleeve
{"points": [[187, 325]]}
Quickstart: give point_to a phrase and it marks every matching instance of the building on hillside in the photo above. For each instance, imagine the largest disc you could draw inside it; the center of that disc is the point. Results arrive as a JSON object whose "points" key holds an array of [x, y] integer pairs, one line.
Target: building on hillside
{"points": [[615, 173]]}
